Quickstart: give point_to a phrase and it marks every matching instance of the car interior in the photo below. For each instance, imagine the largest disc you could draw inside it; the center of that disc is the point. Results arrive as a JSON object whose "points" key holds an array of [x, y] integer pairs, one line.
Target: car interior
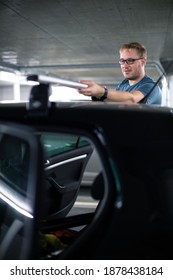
{"points": [[64, 168], [65, 159]]}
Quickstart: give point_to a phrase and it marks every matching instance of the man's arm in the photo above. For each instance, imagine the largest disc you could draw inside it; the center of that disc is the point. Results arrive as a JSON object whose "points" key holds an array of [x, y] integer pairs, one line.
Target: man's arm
{"points": [[96, 90]]}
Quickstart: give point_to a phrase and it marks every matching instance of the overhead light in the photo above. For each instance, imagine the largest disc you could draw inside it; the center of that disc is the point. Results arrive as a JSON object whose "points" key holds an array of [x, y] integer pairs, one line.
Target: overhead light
{"points": [[9, 57]]}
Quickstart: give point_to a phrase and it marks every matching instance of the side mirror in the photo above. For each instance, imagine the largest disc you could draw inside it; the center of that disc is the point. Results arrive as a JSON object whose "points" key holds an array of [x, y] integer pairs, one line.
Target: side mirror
{"points": [[20, 176]]}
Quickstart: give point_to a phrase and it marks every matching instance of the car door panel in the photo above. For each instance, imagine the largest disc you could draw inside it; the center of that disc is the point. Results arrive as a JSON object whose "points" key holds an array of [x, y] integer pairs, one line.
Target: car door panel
{"points": [[64, 175]]}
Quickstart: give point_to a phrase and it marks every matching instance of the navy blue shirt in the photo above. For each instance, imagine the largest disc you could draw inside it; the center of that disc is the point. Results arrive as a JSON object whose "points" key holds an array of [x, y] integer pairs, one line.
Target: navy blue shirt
{"points": [[145, 86]]}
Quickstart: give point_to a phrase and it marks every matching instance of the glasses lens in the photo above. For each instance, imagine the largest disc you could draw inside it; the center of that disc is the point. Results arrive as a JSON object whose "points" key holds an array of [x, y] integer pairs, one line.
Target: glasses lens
{"points": [[122, 61], [130, 60]]}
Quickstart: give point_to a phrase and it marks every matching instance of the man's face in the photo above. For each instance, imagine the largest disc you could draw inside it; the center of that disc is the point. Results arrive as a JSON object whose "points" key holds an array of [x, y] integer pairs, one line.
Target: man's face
{"points": [[135, 70]]}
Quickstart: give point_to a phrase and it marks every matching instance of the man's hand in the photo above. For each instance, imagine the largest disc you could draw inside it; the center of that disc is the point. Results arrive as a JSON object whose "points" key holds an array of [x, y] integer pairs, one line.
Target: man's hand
{"points": [[93, 89]]}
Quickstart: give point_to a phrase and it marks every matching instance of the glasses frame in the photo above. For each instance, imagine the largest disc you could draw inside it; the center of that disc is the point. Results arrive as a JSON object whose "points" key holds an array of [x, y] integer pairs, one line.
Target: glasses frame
{"points": [[129, 61]]}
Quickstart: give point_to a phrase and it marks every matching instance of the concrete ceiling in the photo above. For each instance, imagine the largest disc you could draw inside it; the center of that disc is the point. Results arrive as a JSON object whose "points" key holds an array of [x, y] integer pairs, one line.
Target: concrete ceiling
{"points": [[78, 39]]}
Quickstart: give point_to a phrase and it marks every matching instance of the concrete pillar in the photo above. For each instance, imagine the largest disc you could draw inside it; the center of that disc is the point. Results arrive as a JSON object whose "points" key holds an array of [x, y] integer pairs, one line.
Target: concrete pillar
{"points": [[171, 90]]}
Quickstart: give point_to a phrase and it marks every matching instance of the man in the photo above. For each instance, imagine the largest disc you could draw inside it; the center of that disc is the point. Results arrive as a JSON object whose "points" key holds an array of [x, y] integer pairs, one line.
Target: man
{"points": [[136, 85]]}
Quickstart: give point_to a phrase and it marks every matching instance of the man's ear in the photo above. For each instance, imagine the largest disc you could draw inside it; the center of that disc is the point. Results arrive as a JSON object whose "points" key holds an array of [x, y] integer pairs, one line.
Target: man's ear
{"points": [[144, 61]]}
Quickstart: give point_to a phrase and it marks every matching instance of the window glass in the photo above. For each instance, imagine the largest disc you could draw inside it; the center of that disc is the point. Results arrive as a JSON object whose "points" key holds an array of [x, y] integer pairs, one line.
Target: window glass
{"points": [[14, 163], [55, 144]]}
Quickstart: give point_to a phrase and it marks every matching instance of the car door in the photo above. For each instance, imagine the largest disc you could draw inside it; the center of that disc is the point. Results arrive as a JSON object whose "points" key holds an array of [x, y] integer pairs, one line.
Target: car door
{"points": [[66, 157], [19, 182], [72, 221], [26, 161]]}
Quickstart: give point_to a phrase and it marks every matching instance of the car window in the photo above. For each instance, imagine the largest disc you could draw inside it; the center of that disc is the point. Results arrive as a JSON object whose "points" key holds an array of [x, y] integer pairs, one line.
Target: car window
{"points": [[14, 164], [20, 156], [55, 144]]}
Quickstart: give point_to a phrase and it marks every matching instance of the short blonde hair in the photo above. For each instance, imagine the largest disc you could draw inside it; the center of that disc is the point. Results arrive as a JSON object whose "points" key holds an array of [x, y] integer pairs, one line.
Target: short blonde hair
{"points": [[137, 46]]}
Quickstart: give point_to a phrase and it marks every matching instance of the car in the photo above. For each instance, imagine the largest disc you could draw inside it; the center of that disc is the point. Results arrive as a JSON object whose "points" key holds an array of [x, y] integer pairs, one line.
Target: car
{"points": [[48, 213]]}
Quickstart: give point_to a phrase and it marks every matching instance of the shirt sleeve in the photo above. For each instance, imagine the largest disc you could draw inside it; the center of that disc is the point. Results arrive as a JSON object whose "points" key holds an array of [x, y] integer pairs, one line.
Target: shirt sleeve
{"points": [[145, 88]]}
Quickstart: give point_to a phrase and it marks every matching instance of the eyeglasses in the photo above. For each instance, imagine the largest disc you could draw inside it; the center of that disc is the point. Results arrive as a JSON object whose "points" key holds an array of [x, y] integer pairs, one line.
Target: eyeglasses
{"points": [[129, 60]]}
